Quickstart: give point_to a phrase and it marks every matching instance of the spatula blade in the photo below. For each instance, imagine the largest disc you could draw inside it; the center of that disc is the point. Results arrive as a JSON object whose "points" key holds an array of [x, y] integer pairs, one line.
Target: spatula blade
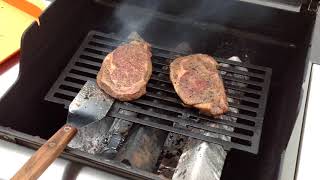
{"points": [[91, 104]]}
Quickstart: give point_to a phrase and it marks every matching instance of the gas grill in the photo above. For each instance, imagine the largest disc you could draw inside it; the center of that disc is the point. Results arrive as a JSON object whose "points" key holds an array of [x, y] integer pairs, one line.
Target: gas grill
{"points": [[266, 90]]}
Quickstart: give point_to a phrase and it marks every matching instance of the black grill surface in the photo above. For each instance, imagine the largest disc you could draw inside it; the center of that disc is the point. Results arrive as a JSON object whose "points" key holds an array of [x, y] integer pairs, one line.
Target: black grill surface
{"points": [[162, 103]]}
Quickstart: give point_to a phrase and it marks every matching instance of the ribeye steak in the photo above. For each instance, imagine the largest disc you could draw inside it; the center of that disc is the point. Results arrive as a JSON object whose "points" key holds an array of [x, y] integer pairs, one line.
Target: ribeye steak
{"points": [[197, 82], [125, 72]]}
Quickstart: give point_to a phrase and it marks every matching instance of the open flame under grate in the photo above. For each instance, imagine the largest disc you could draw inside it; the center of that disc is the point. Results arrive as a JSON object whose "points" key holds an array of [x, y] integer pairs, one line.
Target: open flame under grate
{"points": [[162, 103]]}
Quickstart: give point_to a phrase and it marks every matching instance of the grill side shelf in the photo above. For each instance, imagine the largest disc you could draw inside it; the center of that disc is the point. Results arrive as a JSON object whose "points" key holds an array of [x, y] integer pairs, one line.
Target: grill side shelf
{"points": [[164, 103]]}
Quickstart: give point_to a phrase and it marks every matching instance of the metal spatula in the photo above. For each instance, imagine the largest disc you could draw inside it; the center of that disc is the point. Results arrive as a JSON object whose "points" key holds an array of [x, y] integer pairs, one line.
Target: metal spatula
{"points": [[90, 105]]}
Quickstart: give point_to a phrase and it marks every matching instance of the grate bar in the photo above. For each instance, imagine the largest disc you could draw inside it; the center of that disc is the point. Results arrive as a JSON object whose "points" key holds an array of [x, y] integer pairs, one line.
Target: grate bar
{"points": [[236, 71], [68, 93], [72, 84], [57, 100], [81, 77], [87, 70], [246, 65], [227, 122], [242, 89], [97, 56], [103, 50], [92, 63]]}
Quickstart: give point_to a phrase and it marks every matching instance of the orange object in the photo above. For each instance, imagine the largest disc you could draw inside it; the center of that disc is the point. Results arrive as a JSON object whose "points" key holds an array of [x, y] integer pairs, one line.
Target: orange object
{"points": [[26, 7], [15, 17]]}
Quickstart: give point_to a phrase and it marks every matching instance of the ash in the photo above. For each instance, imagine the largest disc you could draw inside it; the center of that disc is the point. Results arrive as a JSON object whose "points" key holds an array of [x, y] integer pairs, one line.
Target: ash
{"points": [[91, 137]]}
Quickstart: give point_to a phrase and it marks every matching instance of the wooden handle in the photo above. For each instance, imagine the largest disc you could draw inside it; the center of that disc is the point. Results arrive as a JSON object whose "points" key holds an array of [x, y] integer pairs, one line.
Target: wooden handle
{"points": [[46, 154]]}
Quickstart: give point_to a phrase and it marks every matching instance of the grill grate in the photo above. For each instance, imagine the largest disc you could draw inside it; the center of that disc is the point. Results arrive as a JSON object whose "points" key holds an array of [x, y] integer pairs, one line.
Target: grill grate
{"points": [[162, 103]]}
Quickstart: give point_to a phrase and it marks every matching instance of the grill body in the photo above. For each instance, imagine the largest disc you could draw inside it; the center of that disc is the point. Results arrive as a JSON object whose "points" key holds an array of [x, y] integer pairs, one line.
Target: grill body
{"points": [[272, 39]]}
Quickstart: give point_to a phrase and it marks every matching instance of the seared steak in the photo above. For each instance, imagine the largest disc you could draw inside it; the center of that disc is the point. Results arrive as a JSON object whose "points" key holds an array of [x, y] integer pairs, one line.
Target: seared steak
{"points": [[197, 82], [126, 71]]}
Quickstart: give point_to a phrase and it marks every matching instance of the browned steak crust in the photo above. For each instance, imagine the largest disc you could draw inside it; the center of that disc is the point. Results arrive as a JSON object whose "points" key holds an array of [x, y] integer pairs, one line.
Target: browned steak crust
{"points": [[197, 82], [125, 72]]}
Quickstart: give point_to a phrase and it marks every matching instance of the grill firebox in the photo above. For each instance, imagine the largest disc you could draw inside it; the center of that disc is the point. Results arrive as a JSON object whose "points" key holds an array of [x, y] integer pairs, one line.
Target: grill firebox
{"points": [[272, 38], [161, 101]]}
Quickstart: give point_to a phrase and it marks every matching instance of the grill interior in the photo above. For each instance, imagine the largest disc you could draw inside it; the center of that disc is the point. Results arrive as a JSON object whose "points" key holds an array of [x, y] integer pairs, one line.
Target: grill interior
{"points": [[224, 28], [161, 101]]}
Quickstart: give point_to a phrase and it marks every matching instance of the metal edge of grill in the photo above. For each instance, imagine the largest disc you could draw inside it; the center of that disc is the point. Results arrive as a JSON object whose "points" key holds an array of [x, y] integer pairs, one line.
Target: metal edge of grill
{"points": [[162, 98]]}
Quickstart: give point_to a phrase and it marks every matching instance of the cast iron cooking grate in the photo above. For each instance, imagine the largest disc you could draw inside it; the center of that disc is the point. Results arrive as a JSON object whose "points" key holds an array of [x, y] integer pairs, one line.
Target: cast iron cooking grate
{"points": [[161, 103]]}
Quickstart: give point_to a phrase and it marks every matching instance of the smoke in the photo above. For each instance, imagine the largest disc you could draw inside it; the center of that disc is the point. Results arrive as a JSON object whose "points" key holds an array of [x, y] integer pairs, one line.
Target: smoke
{"points": [[207, 25], [135, 16], [131, 17]]}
